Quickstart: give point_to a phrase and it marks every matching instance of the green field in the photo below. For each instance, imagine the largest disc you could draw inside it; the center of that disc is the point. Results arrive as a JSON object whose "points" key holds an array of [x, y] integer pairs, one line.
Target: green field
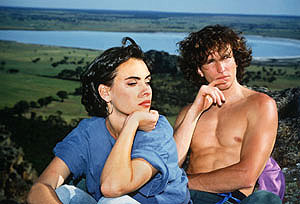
{"points": [[35, 80]]}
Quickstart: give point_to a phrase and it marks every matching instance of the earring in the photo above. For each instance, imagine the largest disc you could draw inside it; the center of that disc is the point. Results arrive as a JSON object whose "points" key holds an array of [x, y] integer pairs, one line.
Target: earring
{"points": [[107, 108]]}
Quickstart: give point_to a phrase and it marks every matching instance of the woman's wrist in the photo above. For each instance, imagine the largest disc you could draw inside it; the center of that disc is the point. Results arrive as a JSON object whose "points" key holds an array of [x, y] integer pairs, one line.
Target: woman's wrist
{"points": [[132, 121]]}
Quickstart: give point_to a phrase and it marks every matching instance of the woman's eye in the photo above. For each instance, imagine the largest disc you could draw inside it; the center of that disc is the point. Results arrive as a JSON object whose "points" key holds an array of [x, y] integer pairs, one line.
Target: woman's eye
{"points": [[131, 83]]}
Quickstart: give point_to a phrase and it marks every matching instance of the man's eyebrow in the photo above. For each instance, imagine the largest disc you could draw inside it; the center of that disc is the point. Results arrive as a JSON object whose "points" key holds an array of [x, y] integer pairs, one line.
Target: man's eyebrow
{"points": [[210, 60], [228, 52]]}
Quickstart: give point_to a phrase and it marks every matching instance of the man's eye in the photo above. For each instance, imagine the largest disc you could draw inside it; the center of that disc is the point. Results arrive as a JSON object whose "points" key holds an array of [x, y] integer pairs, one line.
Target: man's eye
{"points": [[227, 56], [210, 61]]}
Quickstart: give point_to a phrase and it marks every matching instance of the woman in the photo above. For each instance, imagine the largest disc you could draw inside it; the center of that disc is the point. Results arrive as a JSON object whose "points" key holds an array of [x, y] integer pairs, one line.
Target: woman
{"points": [[124, 149]]}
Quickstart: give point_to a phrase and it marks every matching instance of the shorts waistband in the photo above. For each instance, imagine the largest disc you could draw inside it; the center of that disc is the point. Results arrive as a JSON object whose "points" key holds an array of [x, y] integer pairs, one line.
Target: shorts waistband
{"points": [[232, 197]]}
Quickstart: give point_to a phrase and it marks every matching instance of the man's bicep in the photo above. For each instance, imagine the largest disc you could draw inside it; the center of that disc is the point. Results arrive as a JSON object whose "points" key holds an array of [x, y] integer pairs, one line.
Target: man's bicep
{"points": [[260, 136]]}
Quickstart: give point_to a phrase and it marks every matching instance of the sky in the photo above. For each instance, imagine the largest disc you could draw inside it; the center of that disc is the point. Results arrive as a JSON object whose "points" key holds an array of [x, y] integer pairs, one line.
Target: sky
{"points": [[260, 7]]}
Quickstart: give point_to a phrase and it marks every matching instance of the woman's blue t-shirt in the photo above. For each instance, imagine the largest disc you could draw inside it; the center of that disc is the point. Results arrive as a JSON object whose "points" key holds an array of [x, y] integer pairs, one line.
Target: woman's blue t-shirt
{"points": [[87, 147]]}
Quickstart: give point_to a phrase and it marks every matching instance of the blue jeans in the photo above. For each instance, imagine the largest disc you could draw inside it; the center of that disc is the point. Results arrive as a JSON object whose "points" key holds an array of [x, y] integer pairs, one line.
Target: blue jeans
{"points": [[257, 197], [69, 194]]}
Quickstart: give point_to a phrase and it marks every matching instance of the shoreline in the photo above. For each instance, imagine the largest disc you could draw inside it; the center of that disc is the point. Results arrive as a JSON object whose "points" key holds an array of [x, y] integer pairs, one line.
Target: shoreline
{"points": [[267, 46], [276, 61], [285, 58], [268, 60]]}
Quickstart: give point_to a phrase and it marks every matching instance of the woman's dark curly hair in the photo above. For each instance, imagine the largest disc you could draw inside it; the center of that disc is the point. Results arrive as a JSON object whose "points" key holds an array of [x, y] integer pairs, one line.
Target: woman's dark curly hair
{"points": [[195, 49], [102, 70]]}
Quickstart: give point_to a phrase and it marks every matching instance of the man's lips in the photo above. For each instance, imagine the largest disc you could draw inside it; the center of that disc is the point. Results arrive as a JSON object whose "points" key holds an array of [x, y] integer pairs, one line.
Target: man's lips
{"points": [[223, 77], [146, 103]]}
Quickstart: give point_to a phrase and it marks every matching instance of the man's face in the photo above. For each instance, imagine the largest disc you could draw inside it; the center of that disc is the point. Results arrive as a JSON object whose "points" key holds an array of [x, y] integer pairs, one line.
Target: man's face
{"points": [[220, 65]]}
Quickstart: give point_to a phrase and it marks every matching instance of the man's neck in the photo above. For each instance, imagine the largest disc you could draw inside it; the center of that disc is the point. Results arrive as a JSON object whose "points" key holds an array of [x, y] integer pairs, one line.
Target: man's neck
{"points": [[233, 93]]}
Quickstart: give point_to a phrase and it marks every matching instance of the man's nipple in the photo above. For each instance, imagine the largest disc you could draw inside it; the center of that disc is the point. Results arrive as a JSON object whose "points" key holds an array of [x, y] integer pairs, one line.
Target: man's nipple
{"points": [[238, 139]]}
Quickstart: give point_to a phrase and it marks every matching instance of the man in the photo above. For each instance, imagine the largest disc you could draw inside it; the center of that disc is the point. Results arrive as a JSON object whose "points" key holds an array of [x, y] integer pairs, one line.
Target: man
{"points": [[229, 129]]}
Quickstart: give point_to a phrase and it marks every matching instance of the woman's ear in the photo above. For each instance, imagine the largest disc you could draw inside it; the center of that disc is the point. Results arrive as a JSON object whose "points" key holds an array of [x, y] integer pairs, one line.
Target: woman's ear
{"points": [[200, 72], [104, 92]]}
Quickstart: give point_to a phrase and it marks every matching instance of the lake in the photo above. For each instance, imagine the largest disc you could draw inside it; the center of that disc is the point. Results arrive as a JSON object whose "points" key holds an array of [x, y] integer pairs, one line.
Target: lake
{"points": [[263, 47]]}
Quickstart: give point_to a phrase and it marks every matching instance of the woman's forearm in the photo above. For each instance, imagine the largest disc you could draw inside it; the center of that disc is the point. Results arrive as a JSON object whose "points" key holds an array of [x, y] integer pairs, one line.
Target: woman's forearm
{"points": [[118, 171], [42, 193]]}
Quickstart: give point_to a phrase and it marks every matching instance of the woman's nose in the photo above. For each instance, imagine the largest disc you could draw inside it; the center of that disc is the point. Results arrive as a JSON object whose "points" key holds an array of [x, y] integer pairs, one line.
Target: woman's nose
{"points": [[146, 90]]}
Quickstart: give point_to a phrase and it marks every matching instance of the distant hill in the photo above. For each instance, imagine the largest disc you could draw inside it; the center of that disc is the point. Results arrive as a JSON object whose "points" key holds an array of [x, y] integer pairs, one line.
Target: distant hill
{"points": [[144, 21]]}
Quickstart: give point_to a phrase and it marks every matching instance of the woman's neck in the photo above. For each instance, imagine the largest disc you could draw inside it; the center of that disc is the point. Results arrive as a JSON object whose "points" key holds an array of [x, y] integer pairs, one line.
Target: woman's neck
{"points": [[114, 124]]}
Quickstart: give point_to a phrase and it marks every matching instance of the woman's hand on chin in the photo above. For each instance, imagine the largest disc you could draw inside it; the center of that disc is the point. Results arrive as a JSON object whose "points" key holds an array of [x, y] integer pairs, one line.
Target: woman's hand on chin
{"points": [[146, 120]]}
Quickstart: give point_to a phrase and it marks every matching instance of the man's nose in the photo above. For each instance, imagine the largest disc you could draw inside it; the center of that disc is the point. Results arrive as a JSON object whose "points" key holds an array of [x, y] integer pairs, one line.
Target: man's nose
{"points": [[220, 67]]}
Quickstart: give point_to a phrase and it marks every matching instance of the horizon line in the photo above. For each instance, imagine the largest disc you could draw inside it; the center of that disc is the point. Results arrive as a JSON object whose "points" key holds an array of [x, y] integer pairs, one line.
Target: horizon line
{"points": [[154, 11]]}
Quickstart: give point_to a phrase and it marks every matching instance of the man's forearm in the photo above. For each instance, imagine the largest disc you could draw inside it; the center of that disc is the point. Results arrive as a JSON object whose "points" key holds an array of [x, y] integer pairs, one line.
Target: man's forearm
{"points": [[223, 180], [184, 132]]}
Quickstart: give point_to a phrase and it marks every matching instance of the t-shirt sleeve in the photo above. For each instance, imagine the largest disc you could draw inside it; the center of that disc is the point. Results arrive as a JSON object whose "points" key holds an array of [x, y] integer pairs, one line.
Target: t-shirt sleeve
{"points": [[73, 150], [154, 147]]}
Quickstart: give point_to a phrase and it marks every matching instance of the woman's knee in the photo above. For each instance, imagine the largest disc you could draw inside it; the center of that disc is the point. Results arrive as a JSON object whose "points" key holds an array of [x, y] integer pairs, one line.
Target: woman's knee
{"points": [[69, 194]]}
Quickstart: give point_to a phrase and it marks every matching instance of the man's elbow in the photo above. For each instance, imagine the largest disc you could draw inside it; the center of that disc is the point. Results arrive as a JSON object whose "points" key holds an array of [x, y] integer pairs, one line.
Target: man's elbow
{"points": [[249, 179]]}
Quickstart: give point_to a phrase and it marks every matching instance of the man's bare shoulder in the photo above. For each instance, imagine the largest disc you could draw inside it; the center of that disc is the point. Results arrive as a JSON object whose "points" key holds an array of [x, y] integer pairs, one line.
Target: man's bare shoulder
{"points": [[181, 115], [259, 102]]}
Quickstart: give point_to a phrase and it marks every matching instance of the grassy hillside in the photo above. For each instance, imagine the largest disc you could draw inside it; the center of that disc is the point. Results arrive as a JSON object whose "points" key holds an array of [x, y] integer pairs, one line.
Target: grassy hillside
{"points": [[27, 72], [21, 78], [144, 21]]}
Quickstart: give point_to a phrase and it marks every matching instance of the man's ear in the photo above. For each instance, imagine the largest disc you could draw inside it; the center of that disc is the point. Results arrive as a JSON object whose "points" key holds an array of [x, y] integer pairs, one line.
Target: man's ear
{"points": [[104, 92], [200, 72]]}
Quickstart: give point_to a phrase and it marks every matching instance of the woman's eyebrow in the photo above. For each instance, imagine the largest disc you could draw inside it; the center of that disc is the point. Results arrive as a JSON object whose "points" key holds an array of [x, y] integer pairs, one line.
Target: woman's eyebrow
{"points": [[133, 77], [137, 78], [149, 76]]}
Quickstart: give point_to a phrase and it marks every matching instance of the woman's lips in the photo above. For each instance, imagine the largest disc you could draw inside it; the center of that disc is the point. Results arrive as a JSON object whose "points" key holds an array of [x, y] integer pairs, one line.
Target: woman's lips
{"points": [[146, 103]]}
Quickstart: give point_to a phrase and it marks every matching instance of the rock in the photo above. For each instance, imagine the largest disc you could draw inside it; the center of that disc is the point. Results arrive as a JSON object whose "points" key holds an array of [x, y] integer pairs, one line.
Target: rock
{"points": [[16, 175], [287, 147]]}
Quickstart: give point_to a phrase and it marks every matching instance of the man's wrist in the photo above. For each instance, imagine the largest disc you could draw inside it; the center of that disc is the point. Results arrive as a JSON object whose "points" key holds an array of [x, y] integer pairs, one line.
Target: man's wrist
{"points": [[194, 112]]}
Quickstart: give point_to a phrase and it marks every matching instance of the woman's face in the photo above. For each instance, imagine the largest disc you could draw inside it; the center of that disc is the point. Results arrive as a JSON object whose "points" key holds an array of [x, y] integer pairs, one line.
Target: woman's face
{"points": [[131, 89]]}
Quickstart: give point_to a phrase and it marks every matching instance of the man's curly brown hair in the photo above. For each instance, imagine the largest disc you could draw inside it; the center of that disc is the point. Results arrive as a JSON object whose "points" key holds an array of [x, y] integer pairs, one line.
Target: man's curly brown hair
{"points": [[195, 49]]}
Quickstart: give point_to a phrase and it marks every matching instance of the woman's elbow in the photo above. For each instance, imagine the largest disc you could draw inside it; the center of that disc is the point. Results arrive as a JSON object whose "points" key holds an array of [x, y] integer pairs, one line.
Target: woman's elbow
{"points": [[111, 190], [34, 191]]}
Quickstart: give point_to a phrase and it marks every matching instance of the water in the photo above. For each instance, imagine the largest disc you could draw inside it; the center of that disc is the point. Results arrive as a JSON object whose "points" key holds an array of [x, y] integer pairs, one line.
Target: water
{"points": [[263, 47]]}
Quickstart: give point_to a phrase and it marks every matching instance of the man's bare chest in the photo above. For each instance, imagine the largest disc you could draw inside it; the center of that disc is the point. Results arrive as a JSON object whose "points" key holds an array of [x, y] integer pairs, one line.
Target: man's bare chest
{"points": [[221, 127]]}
